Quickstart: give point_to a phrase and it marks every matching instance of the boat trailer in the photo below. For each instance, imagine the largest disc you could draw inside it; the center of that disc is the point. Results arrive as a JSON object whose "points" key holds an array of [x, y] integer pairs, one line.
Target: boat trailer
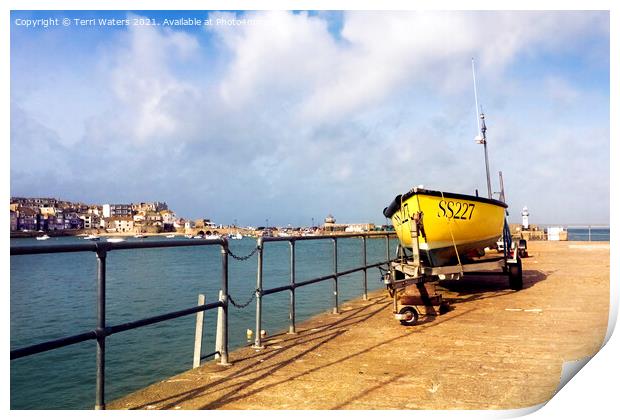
{"points": [[411, 283]]}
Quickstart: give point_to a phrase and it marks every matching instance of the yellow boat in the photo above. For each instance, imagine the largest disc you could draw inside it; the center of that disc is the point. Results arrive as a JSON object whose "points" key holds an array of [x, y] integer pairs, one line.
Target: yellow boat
{"points": [[451, 226]]}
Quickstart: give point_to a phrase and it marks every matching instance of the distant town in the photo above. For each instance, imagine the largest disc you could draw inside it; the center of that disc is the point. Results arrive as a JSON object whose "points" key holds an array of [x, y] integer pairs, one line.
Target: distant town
{"points": [[30, 216]]}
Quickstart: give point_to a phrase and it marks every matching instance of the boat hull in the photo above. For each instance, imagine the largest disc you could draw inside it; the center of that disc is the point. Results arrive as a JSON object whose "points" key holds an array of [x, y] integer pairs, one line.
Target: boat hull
{"points": [[454, 226]]}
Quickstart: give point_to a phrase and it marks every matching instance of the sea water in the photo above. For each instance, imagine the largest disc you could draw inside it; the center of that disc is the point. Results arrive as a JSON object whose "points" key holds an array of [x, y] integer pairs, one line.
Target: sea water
{"points": [[55, 295], [588, 234]]}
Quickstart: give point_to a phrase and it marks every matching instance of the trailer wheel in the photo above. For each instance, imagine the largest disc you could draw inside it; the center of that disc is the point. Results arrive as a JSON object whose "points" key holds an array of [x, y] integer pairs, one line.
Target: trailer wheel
{"points": [[522, 248], [444, 307], [412, 316], [515, 276]]}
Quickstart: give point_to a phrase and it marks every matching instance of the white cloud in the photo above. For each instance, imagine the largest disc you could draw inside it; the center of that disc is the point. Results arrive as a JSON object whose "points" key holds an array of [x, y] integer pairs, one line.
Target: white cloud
{"points": [[144, 83], [561, 91], [292, 57], [34, 144], [286, 112]]}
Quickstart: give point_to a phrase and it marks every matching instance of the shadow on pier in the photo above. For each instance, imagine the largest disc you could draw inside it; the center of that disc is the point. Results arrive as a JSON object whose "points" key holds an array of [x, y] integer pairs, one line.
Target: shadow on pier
{"points": [[256, 372], [475, 287], [281, 351], [472, 357]]}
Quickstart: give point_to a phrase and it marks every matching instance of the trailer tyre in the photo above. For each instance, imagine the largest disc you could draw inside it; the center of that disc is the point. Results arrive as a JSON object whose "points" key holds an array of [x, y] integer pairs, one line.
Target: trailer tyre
{"points": [[522, 248], [515, 276], [413, 316], [444, 307]]}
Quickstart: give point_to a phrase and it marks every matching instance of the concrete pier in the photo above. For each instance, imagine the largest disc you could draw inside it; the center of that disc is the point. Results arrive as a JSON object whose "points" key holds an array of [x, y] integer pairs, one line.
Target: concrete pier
{"points": [[495, 348]]}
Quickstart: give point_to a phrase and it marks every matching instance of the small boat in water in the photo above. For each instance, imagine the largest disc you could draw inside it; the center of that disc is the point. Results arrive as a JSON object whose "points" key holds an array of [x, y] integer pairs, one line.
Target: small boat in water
{"points": [[212, 236], [170, 236], [115, 240], [42, 238], [448, 223], [235, 236], [139, 236], [92, 237]]}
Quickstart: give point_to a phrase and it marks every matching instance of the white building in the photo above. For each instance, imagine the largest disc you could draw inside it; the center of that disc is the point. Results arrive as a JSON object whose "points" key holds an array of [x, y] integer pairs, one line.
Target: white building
{"points": [[139, 217], [168, 217], [111, 210], [91, 220], [359, 227], [119, 224], [555, 233]]}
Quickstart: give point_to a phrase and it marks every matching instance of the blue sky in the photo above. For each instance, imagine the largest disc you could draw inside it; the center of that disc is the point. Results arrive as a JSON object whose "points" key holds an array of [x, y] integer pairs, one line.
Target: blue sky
{"points": [[303, 114]]}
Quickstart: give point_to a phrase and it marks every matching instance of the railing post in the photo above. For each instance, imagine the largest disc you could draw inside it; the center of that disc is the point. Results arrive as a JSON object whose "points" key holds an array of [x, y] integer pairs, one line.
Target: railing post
{"points": [[291, 314], [224, 299], [335, 241], [365, 269], [100, 382], [198, 333], [218, 328], [259, 291]]}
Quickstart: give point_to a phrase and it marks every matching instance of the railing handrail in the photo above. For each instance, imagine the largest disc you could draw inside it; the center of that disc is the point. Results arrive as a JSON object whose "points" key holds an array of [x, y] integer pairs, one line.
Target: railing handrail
{"points": [[318, 237], [319, 279], [260, 292], [110, 246], [584, 227], [102, 330]]}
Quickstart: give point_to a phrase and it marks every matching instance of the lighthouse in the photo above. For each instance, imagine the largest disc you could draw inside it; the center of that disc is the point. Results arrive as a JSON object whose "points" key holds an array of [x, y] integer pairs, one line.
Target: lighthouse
{"points": [[526, 222]]}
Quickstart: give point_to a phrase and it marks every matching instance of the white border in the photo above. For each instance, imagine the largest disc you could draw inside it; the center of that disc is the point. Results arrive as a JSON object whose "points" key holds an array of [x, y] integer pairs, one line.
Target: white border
{"points": [[591, 394]]}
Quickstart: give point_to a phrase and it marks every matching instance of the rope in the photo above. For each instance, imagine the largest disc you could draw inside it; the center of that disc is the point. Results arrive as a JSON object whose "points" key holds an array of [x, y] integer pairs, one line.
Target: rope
{"points": [[453, 241], [402, 260]]}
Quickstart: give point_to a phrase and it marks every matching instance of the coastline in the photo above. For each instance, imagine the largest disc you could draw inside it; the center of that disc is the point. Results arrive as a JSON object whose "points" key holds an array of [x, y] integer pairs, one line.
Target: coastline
{"points": [[223, 231]]}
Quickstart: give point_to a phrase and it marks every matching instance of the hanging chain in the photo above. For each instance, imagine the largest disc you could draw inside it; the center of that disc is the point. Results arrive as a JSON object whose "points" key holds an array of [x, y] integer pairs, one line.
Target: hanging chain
{"points": [[238, 258], [236, 305], [254, 251]]}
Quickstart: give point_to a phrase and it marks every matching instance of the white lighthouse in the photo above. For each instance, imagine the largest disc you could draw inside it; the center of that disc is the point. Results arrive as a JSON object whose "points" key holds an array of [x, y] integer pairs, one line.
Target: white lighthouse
{"points": [[526, 222]]}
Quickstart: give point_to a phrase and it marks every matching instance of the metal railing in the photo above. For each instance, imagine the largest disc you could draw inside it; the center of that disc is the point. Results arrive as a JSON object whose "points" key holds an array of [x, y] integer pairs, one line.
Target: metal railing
{"points": [[293, 285], [101, 330], [597, 235]]}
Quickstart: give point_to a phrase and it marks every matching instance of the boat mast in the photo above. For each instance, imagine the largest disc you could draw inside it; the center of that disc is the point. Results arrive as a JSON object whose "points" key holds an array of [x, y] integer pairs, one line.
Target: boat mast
{"points": [[502, 195], [481, 138]]}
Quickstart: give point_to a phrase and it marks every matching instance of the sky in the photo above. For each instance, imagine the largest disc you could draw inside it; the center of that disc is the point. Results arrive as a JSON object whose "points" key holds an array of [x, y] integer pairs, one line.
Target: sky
{"points": [[291, 116]]}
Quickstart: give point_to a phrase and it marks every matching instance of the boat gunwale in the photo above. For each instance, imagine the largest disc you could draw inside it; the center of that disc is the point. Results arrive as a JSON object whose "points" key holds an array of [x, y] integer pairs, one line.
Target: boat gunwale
{"points": [[420, 191]]}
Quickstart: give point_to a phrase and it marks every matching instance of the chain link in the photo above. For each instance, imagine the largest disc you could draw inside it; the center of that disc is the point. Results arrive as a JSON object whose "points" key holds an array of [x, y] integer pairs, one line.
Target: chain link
{"points": [[238, 258], [236, 305], [254, 251]]}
